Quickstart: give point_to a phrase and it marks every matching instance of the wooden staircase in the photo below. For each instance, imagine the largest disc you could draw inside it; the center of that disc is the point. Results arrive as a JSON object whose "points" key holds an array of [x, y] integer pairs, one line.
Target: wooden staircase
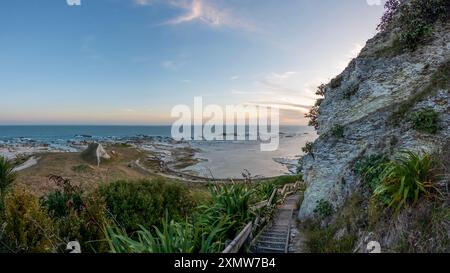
{"points": [[275, 238]]}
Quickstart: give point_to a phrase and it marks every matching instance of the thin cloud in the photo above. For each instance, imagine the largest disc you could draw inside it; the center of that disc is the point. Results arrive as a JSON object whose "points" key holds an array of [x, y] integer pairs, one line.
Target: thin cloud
{"points": [[207, 13], [283, 106], [289, 91], [172, 65], [142, 2]]}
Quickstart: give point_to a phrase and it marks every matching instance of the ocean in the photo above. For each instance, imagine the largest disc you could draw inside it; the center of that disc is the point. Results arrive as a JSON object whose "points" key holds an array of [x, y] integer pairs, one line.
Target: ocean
{"points": [[220, 159]]}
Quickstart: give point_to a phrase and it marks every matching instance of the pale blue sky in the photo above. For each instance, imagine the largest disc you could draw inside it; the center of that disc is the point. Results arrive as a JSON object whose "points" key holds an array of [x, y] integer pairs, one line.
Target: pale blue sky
{"points": [[131, 61]]}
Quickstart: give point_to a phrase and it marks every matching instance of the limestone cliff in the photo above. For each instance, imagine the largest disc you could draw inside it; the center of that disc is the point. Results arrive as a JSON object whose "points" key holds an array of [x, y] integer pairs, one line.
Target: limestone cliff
{"points": [[369, 104]]}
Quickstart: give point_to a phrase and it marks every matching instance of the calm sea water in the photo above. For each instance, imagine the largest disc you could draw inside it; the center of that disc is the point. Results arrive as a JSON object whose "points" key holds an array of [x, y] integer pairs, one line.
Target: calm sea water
{"points": [[221, 159], [71, 132]]}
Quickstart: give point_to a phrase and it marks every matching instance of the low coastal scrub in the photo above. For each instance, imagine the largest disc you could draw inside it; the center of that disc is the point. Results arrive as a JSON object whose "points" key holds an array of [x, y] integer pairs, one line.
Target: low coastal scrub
{"points": [[308, 149], [7, 177], [425, 120], [313, 113], [336, 82], [414, 19], [265, 190], [370, 169], [77, 215], [126, 200], [313, 116], [205, 231], [395, 183], [151, 216], [337, 131], [324, 209], [27, 225], [174, 237], [405, 179]]}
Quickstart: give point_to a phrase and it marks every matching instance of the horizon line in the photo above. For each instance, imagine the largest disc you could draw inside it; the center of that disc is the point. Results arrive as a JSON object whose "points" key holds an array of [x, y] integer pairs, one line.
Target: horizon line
{"points": [[124, 125]]}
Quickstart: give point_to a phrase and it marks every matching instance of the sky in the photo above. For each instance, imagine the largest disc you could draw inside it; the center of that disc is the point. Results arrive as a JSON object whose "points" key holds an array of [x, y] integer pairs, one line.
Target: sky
{"points": [[131, 61]]}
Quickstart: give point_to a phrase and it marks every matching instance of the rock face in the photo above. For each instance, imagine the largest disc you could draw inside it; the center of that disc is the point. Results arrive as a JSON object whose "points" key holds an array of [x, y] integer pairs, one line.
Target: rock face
{"points": [[364, 100], [95, 153]]}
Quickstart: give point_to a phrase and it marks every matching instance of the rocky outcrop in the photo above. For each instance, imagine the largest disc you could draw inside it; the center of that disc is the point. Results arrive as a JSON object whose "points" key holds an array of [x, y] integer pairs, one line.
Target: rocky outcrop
{"points": [[370, 100], [95, 153]]}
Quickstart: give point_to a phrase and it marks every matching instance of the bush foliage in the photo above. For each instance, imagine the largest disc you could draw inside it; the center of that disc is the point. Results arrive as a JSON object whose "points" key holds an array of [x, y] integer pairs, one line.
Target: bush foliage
{"points": [[337, 131], [145, 202], [206, 231], [7, 177], [78, 216], [308, 149], [425, 120], [370, 169], [28, 228], [406, 179], [324, 208], [414, 18]]}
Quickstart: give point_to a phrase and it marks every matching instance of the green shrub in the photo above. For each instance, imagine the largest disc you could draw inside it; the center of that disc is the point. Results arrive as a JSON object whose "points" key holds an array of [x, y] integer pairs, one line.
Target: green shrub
{"points": [[206, 231], [313, 113], [78, 216], [174, 237], [425, 120], [318, 102], [405, 179], [370, 169], [144, 202], [391, 9], [351, 91], [66, 197], [337, 131], [7, 177], [28, 228], [324, 208], [415, 19], [336, 82], [308, 149], [321, 90], [313, 116], [233, 201], [266, 189]]}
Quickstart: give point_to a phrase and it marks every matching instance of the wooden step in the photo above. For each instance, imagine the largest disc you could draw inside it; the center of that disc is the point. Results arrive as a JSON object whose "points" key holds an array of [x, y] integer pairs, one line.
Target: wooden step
{"points": [[275, 234], [271, 243], [269, 238], [262, 249]]}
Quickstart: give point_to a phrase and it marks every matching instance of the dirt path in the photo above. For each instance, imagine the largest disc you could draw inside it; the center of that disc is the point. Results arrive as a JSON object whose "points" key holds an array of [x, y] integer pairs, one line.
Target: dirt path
{"points": [[27, 164]]}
